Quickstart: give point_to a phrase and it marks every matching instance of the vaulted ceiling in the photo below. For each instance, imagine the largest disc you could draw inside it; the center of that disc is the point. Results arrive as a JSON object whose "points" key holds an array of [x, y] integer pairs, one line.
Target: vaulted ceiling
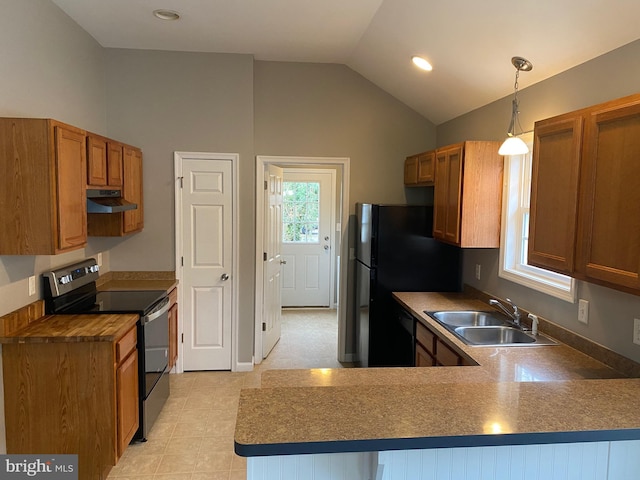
{"points": [[469, 43]]}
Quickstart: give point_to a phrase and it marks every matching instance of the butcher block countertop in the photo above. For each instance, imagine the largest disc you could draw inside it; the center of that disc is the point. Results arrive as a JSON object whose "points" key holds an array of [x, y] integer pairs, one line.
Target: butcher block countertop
{"points": [[74, 328], [515, 396]]}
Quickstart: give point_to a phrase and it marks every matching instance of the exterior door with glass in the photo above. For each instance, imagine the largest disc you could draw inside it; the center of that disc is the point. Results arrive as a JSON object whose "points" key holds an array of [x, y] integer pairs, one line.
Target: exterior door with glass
{"points": [[307, 237]]}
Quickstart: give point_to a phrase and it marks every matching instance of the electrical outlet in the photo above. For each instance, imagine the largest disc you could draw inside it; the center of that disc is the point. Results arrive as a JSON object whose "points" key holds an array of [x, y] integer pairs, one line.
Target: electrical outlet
{"points": [[636, 331], [478, 270], [32, 285], [99, 259], [583, 311]]}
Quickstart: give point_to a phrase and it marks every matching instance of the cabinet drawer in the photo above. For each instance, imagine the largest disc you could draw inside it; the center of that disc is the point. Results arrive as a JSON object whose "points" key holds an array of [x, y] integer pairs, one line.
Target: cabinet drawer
{"points": [[445, 356], [426, 338], [126, 345]]}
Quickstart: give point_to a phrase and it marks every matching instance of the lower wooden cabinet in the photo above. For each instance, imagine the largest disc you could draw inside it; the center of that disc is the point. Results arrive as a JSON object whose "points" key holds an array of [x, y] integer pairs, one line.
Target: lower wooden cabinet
{"points": [[173, 328], [432, 351], [72, 398]]}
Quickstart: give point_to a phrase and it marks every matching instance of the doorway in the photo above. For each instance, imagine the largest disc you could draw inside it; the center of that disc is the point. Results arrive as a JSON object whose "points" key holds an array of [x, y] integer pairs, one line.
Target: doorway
{"points": [[341, 168], [308, 237]]}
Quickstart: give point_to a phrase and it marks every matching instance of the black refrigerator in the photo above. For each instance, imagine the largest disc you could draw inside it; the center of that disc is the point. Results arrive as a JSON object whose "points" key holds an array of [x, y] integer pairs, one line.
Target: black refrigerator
{"points": [[396, 252]]}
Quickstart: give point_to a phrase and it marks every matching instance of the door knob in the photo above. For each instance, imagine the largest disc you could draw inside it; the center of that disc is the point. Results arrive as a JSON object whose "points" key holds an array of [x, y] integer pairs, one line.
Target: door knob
{"points": [[283, 262], [326, 247], [224, 277], [326, 238]]}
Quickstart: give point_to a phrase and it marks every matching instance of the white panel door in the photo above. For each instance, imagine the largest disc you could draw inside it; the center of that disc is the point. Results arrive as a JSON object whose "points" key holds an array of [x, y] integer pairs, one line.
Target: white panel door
{"points": [[271, 314], [308, 222], [208, 256]]}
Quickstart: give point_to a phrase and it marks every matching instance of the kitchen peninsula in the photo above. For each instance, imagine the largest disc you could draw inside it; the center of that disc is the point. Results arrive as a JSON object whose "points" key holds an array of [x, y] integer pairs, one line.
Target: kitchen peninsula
{"points": [[552, 408]]}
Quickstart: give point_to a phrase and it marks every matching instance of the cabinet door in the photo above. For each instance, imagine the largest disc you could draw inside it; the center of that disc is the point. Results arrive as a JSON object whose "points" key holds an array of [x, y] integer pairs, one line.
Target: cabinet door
{"points": [[448, 194], [96, 160], [133, 219], [426, 167], [71, 187], [114, 164], [127, 398], [454, 195], [554, 193], [446, 357], [423, 358], [609, 226], [440, 196], [173, 335], [411, 170]]}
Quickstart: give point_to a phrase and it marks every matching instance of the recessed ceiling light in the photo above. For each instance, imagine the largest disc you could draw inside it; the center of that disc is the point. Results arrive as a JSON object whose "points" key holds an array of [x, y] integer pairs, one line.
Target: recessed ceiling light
{"points": [[166, 14], [421, 63]]}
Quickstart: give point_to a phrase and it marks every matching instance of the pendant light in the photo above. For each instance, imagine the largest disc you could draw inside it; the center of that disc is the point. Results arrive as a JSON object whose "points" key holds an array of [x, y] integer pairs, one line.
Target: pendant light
{"points": [[514, 145]]}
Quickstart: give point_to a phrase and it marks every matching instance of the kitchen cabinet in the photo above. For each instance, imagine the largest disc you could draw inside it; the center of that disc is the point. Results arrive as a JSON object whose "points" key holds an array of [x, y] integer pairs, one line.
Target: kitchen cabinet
{"points": [[173, 328], [468, 194], [43, 176], [104, 162], [596, 160], [432, 351], [554, 193], [419, 169], [130, 221], [66, 396]]}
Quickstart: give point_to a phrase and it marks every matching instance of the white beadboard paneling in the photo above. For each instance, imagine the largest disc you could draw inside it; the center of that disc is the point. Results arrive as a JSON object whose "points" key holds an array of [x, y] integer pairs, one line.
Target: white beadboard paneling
{"points": [[576, 461], [335, 466], [624, 460]]}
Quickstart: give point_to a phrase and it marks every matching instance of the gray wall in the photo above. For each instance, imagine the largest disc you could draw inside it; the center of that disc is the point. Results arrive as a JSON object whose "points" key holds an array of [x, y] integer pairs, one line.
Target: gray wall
{"points": [[174, 101], [610, 76], [304, 109], [49, 68]]}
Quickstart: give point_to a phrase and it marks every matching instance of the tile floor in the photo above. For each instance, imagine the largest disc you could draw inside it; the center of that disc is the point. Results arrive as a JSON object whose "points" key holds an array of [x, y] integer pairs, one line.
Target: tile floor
{"points": [[193, 437]]}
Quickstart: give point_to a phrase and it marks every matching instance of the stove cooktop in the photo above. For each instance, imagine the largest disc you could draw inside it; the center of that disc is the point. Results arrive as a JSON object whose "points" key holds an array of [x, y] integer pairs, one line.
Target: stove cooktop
{"points": [[116, 301]]}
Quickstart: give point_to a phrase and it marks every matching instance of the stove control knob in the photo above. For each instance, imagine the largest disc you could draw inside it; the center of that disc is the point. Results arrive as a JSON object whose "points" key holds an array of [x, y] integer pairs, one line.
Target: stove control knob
{"points": [[65, 279], [92, 269]]}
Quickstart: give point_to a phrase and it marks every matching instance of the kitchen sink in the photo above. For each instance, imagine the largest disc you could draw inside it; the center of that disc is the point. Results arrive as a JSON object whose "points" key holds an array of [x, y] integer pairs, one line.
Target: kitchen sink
{"points": [[487, 329], [470, 318], [493, 335]]}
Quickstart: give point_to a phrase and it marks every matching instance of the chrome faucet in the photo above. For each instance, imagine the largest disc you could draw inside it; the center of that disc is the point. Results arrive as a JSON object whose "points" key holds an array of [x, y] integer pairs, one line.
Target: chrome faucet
{"points": [[515, 315]]}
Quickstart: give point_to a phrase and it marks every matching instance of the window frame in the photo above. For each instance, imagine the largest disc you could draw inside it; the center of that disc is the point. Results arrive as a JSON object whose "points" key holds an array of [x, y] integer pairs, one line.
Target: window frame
{"points": [[515, 199]]}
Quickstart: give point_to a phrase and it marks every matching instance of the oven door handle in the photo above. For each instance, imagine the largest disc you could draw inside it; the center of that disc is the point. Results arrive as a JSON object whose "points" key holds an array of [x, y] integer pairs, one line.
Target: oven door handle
{"points": [[158, 311]]}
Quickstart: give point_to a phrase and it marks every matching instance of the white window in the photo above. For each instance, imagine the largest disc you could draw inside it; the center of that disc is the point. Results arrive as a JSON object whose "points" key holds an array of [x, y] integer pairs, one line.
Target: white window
{"points": [[515, 232]]}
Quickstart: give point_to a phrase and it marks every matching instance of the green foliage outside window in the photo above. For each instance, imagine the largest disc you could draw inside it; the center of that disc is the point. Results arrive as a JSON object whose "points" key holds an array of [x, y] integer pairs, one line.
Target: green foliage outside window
{"points": [[300, 212]]}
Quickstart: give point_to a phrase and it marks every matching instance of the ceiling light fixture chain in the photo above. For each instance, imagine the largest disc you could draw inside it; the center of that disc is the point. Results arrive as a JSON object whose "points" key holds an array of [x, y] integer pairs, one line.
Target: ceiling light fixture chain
{"points": [[513, 145]]}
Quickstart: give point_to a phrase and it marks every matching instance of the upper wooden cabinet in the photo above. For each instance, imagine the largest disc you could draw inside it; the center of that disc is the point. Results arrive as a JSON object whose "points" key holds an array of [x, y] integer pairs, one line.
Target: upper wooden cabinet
{"points": [[468, 194], [104, 162], [554, 192], [419, 169], [42, 200], [132, 192], [599, 239], [123, 223]]}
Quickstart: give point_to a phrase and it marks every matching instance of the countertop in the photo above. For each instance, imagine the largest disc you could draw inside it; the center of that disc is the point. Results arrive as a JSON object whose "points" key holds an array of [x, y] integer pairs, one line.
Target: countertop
{"points": [[516, 395], [74, 328]]}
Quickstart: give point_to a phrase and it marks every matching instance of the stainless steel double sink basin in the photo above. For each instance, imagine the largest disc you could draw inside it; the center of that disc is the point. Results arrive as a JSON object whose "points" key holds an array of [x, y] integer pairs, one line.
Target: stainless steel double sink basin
{"points": [[487, 329]]}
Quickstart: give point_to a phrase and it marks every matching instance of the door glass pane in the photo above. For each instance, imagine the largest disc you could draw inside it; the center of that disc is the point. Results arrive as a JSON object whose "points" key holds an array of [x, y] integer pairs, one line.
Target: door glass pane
{"points": [[301, 212]]}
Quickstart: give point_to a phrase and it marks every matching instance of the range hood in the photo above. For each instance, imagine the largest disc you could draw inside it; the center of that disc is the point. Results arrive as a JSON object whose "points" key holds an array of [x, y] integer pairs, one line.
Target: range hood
{"points": [[107, 201]]}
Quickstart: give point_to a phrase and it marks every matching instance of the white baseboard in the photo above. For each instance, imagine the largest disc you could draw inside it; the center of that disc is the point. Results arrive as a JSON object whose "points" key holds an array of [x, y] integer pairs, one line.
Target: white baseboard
{"points": [[244, 366]]}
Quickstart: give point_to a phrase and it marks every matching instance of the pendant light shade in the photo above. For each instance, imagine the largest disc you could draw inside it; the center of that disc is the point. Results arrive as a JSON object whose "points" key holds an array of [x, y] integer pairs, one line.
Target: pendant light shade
{"points": [[514, 145]]}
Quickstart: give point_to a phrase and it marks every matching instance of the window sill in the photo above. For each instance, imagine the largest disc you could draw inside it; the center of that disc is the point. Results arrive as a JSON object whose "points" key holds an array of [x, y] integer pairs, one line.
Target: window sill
{"points": [[541, 284]]}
